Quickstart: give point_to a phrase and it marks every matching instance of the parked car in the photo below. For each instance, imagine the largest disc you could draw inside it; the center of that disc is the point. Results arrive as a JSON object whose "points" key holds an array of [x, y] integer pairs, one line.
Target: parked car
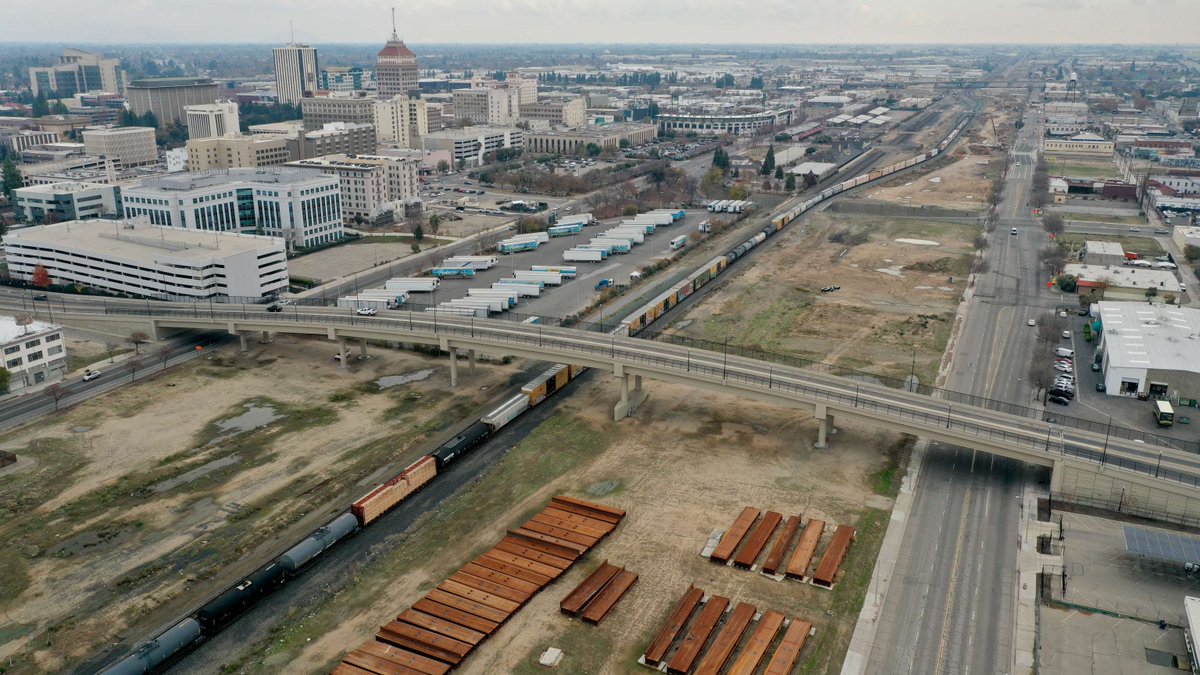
{"points": [[1061, 400], [1066, 335], [1095, 367], [41, 297], [1100, 386], [89, 375], [1031, 322], [366, 311], [1061, 393], [1063, 368]]}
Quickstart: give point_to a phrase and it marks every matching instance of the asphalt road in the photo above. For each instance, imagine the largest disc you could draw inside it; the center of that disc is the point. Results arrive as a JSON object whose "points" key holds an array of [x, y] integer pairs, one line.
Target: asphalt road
{"points": [[950, 605]]}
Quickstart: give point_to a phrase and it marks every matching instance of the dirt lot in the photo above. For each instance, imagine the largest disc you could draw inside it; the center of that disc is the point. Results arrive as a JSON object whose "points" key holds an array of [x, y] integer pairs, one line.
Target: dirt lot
{"points": [[136, 505], [894, 296], [716, 463]]}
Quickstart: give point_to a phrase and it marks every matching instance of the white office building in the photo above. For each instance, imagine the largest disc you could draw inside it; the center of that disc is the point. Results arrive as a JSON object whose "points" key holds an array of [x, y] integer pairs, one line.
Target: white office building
{"points": [[401, 120], [212, 120], [34, 352], [58, 202], [125, 146], [369, 183], [301, 206], [296, 72], [469, 145], [496, 105], [144, 260]]}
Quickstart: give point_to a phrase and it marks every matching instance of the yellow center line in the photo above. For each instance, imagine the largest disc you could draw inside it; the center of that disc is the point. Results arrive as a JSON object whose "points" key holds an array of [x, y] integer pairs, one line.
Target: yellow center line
{"points": [[958, 546]]}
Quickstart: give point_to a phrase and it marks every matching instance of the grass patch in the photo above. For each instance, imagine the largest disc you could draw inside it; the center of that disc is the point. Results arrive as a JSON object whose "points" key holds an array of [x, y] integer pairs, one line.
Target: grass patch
{"points": [[584, 648], [1102, 218], [14, 570], [557, 447], [1074, 168], [57, 461], [767, 329]]}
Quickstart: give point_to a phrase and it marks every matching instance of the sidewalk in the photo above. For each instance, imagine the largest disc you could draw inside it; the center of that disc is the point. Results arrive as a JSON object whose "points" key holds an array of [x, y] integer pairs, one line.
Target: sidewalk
{"points": [[1029, 564]]}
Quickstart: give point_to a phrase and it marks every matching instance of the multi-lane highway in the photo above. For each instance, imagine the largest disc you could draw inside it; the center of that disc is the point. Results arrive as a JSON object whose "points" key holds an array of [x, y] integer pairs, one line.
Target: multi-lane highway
{"points": [[949, 608]]}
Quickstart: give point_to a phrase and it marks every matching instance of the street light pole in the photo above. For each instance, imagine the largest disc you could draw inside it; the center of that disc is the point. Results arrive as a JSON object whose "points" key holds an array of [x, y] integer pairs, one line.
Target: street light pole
{"points": [[725, 360], [1107, 432]]}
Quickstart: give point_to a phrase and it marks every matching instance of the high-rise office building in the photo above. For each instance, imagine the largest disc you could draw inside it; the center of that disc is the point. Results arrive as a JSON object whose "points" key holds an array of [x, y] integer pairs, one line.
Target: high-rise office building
{"points": [[212, 120], [296, 72], [396, 71], [78, 72]]}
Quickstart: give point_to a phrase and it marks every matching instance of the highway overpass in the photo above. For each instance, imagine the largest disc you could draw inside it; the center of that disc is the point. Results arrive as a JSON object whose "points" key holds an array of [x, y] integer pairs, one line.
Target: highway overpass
{"points": [[632, 359]]}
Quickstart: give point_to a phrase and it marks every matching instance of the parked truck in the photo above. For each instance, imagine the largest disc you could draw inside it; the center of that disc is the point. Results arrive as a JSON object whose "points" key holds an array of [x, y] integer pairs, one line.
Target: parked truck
{"points": [[583, 255], [412, 284], [565, 230], [509, 246], [615, 245], [453, 272], [567, 271]]}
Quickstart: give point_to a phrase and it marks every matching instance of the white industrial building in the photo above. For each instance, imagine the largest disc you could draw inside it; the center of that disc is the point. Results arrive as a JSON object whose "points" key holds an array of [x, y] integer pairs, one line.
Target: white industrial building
{"points": [[470, 144], [136, 258], [1117, 282], [1150, 350], [35, 352], [301, 206]]}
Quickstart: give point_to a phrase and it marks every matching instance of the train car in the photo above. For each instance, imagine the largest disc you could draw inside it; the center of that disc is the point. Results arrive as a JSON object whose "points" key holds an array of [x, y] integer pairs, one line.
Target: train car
{"points": [[933, 153], [241, 596], [545, 384], [453, 449], [507, 412], [575, 370], [379, 500], [150, 655], [327, 535]]}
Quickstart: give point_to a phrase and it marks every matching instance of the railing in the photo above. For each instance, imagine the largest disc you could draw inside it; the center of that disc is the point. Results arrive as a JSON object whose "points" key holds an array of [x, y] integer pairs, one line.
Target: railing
{"points": [[921, 414]]}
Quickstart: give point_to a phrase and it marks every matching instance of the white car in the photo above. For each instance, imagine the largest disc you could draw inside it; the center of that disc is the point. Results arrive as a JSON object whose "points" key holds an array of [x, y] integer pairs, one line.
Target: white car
{"points": [[366, 311], [1031, 322], [1063, 368], [90, 375]]}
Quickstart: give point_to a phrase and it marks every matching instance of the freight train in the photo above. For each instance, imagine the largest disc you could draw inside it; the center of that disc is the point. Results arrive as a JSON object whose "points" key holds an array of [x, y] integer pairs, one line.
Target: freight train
{"points": [[235, 600], [651, 311]]}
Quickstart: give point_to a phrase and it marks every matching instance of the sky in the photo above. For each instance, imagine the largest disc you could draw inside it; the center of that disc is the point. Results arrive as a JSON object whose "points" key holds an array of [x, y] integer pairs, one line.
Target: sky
{"points": [[602, 21]]}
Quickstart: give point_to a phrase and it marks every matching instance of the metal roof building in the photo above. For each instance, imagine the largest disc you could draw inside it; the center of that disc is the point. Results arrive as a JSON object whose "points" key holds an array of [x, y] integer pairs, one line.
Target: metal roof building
{"points": [[1150, 350]]}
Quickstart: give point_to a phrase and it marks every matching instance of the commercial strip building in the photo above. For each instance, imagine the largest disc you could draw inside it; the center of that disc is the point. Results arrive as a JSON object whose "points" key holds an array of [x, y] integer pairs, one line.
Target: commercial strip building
{"points": [[1150, 350], [77, 72], [34, 352], [60, 202], [167, 97], [570, 112], [212, 120], [369, 183], [707, 124], [137, 259], [1114, 282], [302, 207], [237, 152], [469, 145], [125, 146], [296, 72], [575, 142]]}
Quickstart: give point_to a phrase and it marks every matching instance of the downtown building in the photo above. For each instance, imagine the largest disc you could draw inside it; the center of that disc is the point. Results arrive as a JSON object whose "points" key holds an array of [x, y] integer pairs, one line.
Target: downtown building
{"points": [[77, 72], [495, 105], [296, 72], [34, 352], [302, 207], [125, 146], [59, 202], [168, 97], [401, 121], [396, 71], [237, 152], [469, 146], [355, 108], [570, 113], [369, 183], [212, 120], [575, 142]]}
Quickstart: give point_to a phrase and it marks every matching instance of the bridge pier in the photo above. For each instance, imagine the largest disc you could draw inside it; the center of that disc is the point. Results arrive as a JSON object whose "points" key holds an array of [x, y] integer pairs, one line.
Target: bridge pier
{"points": [[471, 359], [453, 367], [630, 400], [824, 426], [344, 350], [362, 348], [1056, 476], [266, 338], [245, 343]]}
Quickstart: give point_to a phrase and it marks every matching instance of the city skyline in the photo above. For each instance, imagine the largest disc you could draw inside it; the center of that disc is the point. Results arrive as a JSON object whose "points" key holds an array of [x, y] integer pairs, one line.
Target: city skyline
{"points": [[615, 22]]}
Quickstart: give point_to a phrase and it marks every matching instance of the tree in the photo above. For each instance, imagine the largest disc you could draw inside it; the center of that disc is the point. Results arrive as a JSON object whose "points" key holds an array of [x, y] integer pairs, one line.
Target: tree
{"points": [[133, 365], [625, 143], [779, 173], [810, 150], [59, 108], [1053, 223], [1191, 252], [40, 107], [435, 222], [1039, 375], [756, 82], [593, 150], [721, 159], [41, 278], [418, 232], [5, 380], [10, 176], [111, 348], [1068, 284], [739, 191], [137, 338], [443, 166], [1053, 257], [163, 353], [790, 183], [768, 164], [766, 184], [712, 183], [57, 391]]}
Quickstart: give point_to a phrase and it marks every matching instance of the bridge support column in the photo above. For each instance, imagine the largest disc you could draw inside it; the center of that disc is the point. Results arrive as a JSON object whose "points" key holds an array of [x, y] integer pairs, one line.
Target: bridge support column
{"points": [[453, 367], [362, 348], [471, 359], [345, 352], [266, 338], [824, 424], [1056, 476], [630, 400], [245, 344]]}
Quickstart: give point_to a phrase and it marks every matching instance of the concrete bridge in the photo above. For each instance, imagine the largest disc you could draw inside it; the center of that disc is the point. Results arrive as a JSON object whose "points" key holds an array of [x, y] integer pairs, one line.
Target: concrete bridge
{"points": [[633, 360]]}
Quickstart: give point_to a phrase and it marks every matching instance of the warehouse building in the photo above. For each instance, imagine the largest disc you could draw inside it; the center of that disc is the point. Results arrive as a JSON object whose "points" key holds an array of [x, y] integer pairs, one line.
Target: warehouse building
{"points": [[1103, 253], [34, 352], [1150, 351], [138, 259]]}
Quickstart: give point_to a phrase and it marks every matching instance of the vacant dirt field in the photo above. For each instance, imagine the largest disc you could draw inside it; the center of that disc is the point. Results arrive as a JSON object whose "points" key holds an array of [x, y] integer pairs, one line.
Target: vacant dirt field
{"points": [[134, 506], [685, 465], [895, 296]]}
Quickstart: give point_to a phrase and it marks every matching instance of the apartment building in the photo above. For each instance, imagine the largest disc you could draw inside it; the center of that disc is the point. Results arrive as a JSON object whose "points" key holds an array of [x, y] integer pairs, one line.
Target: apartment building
{"points": [[575, 142], [470, 145], [369, 182], [296, 72], [34, 352], [59, 202], [237, 152], [401, 120], [125, 146], [77, 72], [300, 206], [143, 260], [496, 105], [570, 113], [321, 110], [212, 120], [167, 97]]}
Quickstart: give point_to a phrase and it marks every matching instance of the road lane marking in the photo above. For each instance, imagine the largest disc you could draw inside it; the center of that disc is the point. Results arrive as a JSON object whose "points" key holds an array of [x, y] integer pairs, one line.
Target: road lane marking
{"points": [[962, 531]]}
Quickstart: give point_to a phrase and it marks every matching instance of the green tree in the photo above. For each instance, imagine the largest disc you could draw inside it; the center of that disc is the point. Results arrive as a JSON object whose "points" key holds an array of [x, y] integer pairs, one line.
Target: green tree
{"points": [[418, 232], [625, 143], [59, 108], [10, 177], [593, 150], [435, 222], [779, 172], [1191, 252], [768, 165], [756, 82], [149, 120], [443, 166], [5, 380], [790, 183], [40, 107], [739, 191]]}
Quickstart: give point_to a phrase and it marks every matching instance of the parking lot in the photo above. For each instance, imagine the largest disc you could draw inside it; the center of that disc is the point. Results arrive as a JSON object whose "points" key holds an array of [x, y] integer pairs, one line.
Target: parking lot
{"points": [[1132, 592]]}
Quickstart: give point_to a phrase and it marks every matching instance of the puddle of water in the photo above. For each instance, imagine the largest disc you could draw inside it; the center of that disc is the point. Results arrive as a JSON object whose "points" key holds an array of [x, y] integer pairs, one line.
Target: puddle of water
{"points": [[388, 381], [80, 430], [603, 487], [195, 474], [256, 416]]}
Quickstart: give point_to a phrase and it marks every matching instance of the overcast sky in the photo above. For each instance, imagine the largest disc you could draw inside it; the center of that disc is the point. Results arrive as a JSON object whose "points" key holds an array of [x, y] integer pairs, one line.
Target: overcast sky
{"points": [[629, 21]]}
